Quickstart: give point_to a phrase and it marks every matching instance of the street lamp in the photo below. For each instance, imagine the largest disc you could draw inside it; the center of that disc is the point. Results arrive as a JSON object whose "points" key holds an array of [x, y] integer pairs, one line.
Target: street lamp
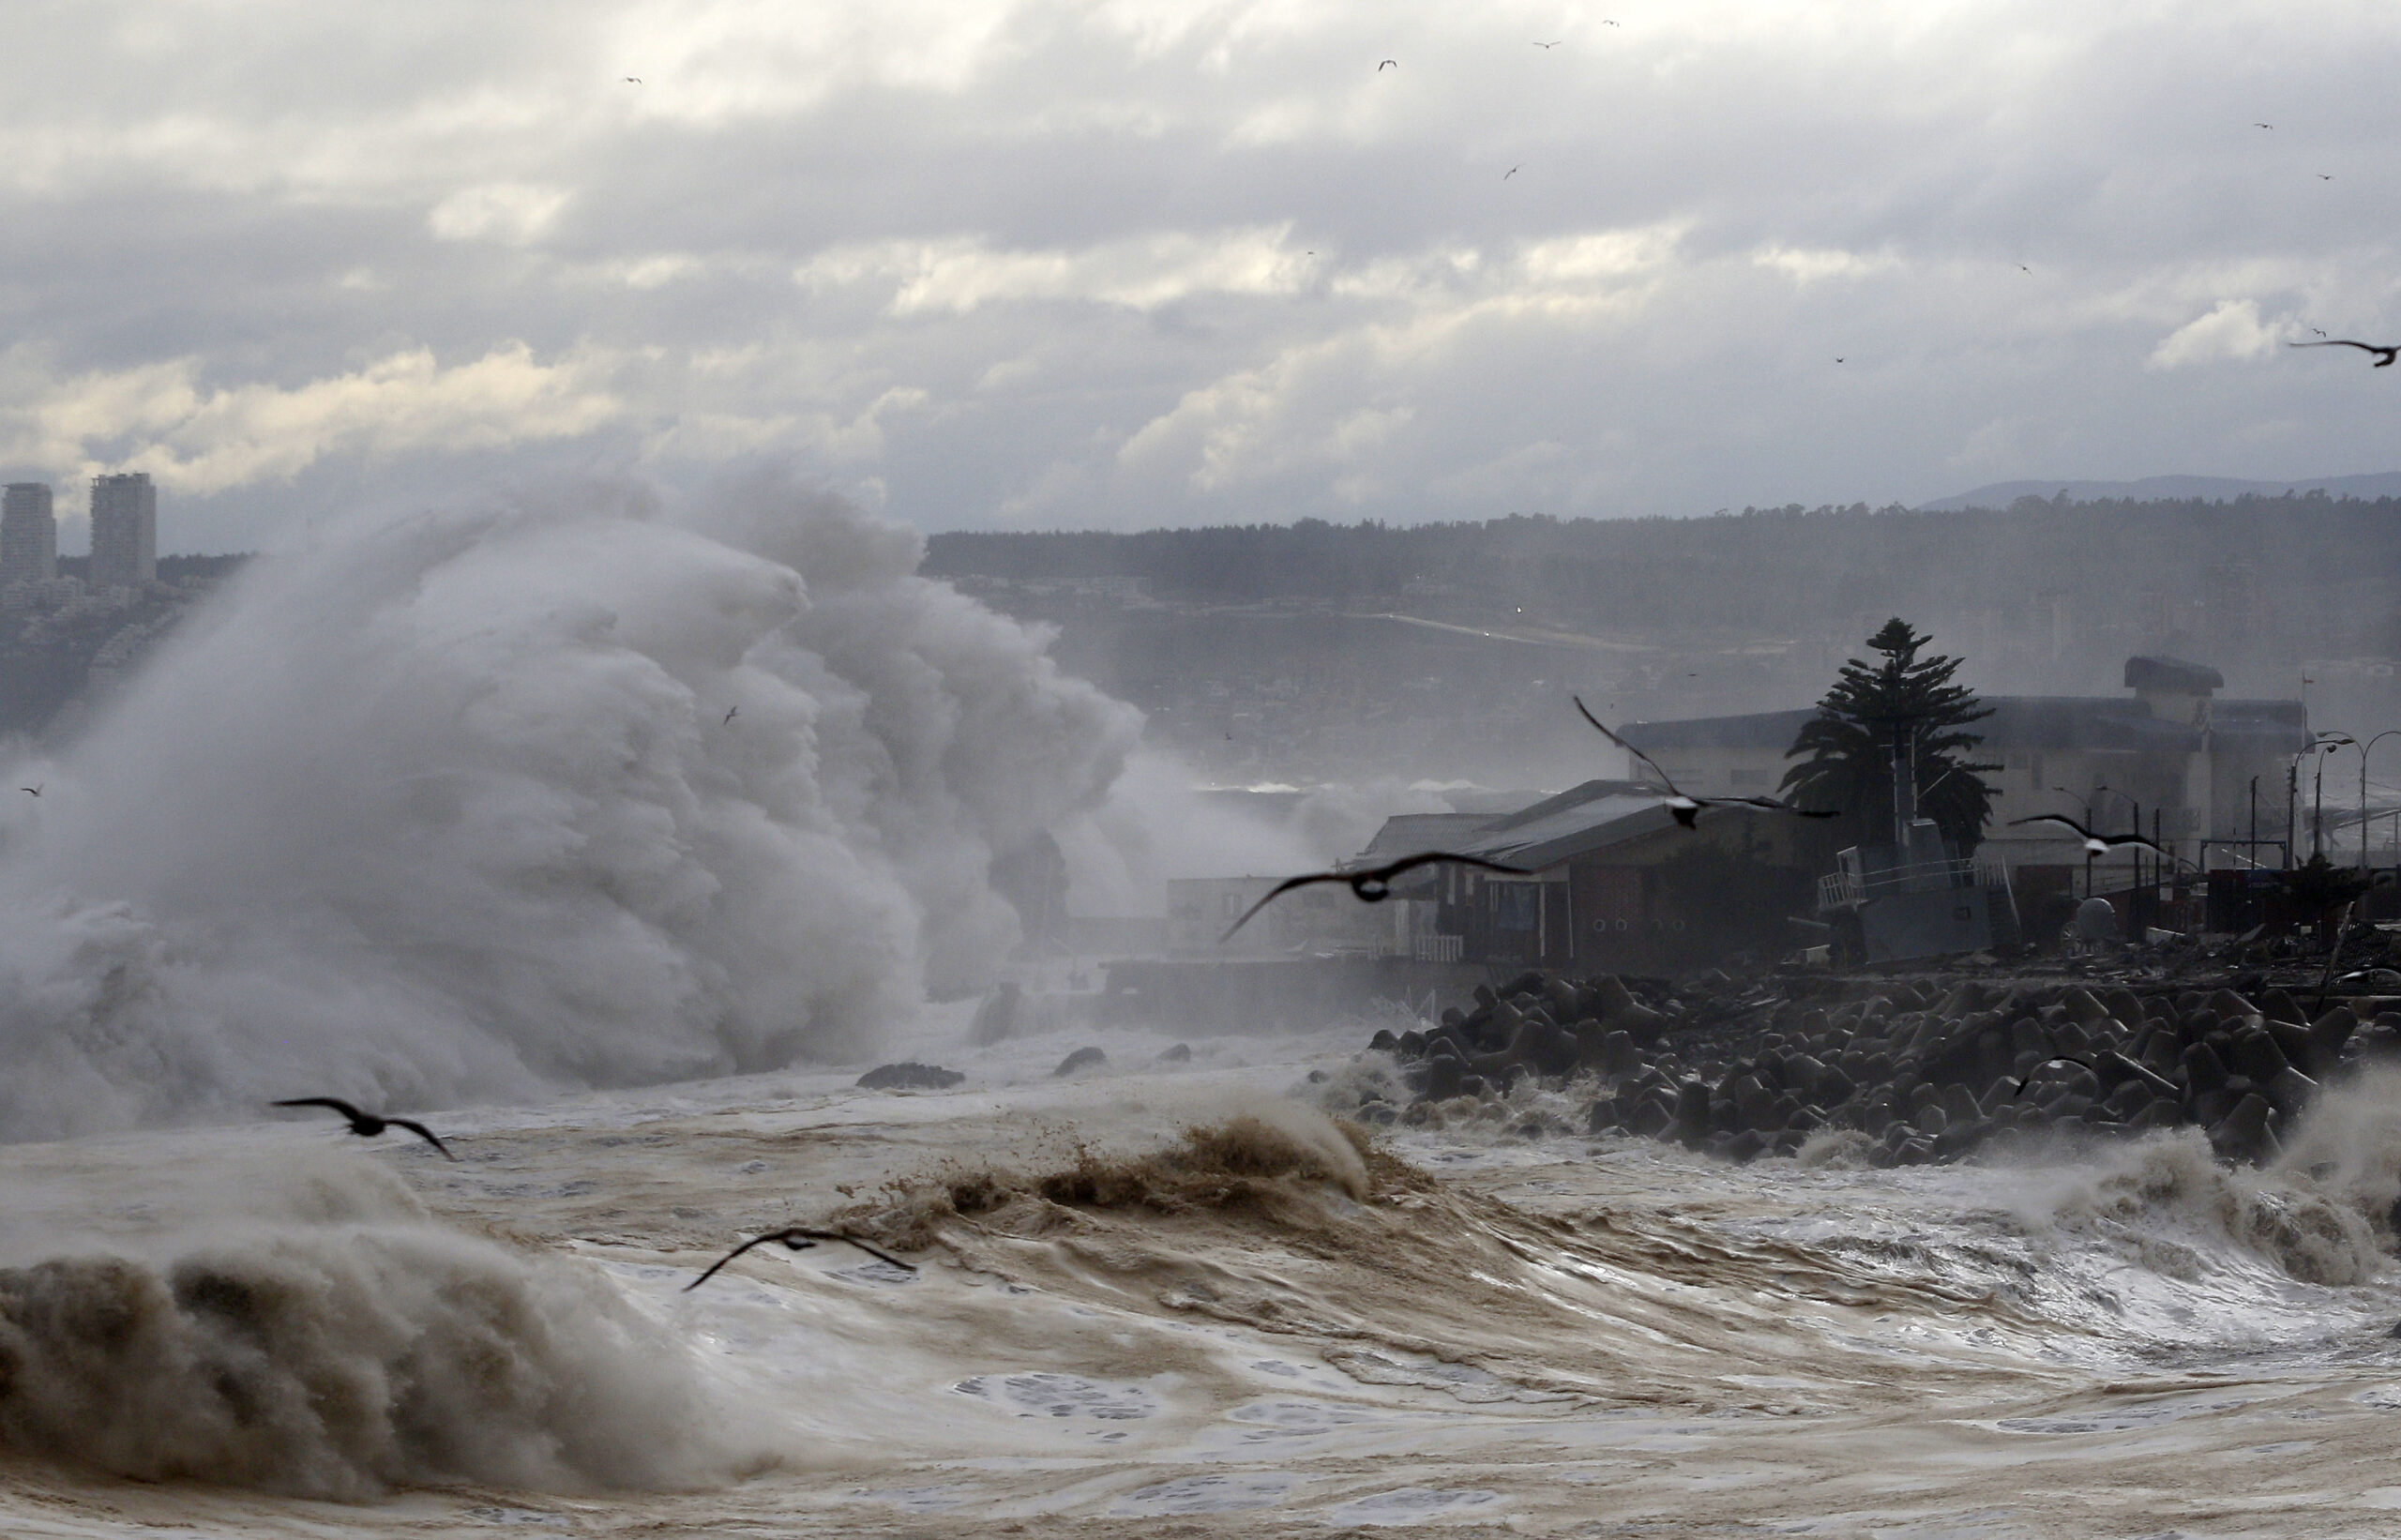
{"points": [[2327, 743], [2388, 732]]}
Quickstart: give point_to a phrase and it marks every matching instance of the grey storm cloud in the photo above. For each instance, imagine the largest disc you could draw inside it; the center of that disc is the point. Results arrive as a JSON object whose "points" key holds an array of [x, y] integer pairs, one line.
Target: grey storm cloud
{"points": [[1125, 264]]}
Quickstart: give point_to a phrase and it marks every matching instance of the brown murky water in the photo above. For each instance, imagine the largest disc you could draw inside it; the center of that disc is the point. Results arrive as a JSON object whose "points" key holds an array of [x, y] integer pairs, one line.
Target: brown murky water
{"points": [[278, 1330]]}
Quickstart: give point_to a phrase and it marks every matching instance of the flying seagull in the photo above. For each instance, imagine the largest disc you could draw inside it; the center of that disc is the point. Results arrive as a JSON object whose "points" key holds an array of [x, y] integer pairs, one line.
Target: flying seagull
{"points": [[633, 80], [2023, 268], [730, 712], [2022, 1080], [1838, 358], [2263, 125], [1685, 808], [2325, 176], [797, 1240], [1511, 172], [2094, 844], [367, 1125], [1371, 884], [32, 791], [1388, 64], [2385, 357], [1546, 46]]}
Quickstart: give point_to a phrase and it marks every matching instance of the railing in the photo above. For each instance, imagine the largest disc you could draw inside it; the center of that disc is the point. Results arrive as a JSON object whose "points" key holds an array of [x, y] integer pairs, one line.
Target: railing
{"points": [[1438, 948], [1848, 889]]}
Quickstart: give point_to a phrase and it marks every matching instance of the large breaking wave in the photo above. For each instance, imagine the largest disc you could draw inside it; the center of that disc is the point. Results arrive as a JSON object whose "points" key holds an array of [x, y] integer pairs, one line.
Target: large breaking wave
{"points": [[448, 806]]}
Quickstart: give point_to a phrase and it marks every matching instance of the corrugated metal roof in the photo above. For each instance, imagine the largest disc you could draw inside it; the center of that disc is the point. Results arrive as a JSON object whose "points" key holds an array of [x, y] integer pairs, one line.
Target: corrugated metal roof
{"points": [[1571, 831], [1414, 834]]}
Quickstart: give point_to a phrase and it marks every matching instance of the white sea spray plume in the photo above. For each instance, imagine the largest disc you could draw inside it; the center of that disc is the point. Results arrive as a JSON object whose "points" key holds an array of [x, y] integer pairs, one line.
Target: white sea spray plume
{"points": [[446, 805]]}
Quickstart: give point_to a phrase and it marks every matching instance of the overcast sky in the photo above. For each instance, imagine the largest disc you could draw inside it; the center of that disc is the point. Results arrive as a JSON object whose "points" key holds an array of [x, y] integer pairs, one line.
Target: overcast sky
{"points": [[1041, 264]]}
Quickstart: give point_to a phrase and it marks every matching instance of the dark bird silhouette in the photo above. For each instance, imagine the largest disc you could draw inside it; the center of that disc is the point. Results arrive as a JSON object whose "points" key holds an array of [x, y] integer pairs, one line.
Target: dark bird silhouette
{"points": [[2094, 844], [730, 712], [797, 1240], [1837, 359], [1506, 174], [2263, 125], [2384, 356], [2325, 176], [1604, 22], [32, 791], [1370, 885], [1686, 808], [1388, 64], [1549, 45], [2023, 268], [367, 1125], [633, 80], [2020, 1080]]}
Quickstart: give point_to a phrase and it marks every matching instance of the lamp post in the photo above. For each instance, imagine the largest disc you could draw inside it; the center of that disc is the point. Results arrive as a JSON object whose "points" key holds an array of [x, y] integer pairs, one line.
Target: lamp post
{"points": [[2327, 743], [2388, 732], [2292, 790]]}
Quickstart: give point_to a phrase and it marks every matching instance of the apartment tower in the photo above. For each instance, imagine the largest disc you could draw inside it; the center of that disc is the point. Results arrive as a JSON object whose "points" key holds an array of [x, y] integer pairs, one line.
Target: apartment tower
{"points": [[28, 534], [125, 530]]}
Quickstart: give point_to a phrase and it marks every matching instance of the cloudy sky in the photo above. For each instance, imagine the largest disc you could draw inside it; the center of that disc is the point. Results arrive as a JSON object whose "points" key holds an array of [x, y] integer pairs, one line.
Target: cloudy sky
{"points": [[1028, 263]]}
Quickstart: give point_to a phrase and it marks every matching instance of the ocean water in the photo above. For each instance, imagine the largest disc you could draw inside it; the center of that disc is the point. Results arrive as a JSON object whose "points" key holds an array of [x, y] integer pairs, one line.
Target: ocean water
{"points": [[274, 1328]]}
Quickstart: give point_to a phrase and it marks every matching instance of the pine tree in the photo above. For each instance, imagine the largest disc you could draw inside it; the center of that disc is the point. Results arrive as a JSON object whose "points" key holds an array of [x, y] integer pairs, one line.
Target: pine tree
{"points": [[1849, 743]]}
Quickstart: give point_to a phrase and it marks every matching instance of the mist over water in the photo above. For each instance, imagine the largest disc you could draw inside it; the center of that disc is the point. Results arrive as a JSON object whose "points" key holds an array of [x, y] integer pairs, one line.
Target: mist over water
{"points": [[446, 807]]}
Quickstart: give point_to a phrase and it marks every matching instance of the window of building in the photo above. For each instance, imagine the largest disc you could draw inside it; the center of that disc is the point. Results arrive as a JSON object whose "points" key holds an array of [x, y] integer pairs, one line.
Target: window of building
{"points": [[1517, 906]]}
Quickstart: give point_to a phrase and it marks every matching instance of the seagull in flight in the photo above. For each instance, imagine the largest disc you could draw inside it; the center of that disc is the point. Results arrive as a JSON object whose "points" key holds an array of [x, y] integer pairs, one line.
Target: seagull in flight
{"points": [[1371, 884], [2023, 268], [797, 1240], [2094, 844], [1838, 358], [2385, 358], [2263, 125], [2021, 1082], [2325, 176], [1548, 46], [32, 791], [1687, 807], [633, 80], [1388, 64], [730, 712], [1511, 172], [367, 1125]]}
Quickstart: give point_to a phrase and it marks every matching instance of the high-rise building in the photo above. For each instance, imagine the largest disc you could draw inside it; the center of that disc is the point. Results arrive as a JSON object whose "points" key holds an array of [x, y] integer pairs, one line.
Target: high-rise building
{"points": [[28, 534], [125, 530]]}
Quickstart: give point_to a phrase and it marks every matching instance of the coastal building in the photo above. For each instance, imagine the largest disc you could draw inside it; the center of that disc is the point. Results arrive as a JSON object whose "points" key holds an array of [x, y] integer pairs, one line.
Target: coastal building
{"points": [[28, 534], [1607, 879], [2211, 779], [125, 531]]}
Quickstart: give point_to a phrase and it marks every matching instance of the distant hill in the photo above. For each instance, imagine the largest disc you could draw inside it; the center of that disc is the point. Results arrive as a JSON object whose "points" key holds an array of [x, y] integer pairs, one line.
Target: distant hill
{"points": [[2163, 489]]}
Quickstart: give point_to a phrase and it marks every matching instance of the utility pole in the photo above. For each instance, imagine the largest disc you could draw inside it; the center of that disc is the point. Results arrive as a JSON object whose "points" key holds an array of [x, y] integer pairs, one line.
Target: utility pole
{"points": [[1904, 790]]}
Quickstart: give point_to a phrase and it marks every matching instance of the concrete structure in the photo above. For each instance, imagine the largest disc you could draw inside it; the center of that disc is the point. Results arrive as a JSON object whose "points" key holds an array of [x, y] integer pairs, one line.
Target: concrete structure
{"points": [[125, 531], [28, 534]]}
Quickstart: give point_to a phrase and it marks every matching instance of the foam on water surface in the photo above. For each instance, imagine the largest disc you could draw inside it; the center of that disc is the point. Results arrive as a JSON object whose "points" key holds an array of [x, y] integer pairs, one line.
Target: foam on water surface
{"points": [[1556, 1333]]}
